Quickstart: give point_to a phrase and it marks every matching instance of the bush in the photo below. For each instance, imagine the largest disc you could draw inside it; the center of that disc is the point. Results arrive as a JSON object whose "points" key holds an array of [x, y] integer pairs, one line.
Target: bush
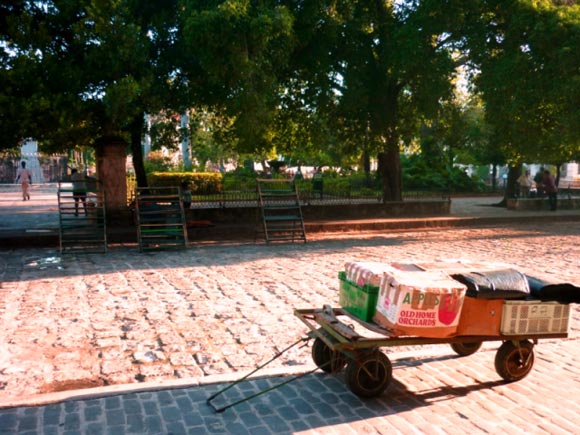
{"points": [[243, 180], [418, 175], [201, 183], [157, 162]]}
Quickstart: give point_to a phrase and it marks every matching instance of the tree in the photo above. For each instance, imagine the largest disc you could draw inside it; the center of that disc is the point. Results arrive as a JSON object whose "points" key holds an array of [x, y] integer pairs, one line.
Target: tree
{"points": [[84, 73], [325, 78], [269, 66], [211, 138], [385, 65], [234, 55], [524, 53], [462, 135]]}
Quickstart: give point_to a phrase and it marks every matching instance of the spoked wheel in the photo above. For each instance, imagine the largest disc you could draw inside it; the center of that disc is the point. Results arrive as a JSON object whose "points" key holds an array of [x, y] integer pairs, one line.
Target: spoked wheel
{"points": [[513, 362], [369, 375], [465, 349], [325, 358]]}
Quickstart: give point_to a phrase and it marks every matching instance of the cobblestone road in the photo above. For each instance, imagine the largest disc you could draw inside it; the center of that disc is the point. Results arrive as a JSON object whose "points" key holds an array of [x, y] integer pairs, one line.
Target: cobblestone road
{"points": [[125, 317], [430, 394]]}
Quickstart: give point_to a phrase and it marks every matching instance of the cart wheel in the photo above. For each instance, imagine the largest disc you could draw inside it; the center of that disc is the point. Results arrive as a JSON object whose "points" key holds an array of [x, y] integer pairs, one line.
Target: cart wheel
{"points": [[325, 358], [369, 374], [513, 362], [465, 349]]}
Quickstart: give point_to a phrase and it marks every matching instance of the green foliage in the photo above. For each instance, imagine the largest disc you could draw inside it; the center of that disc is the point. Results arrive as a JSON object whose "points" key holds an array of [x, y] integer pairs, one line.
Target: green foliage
{"points": [[242, 179], [344, 184], [482, 172], [157, 162], [361, 180], [528, 77], [419, 174], [240, 50], [164, 131], [321, 82], [201, 183], [212, 137], [76, 71], [337, 185]]}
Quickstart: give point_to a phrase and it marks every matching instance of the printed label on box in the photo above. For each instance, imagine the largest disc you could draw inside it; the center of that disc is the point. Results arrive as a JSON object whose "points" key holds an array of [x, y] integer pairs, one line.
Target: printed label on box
{"points": [[409, 306]]}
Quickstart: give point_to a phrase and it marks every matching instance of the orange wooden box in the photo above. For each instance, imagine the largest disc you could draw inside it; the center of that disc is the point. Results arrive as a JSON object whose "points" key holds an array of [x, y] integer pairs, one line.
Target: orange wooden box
{"points": [[480, 317]]}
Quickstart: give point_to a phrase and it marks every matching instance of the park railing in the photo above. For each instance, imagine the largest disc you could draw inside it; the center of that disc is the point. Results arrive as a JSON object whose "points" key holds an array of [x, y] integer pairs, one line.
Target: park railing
{"points": [[309, 196], [311, 192]]}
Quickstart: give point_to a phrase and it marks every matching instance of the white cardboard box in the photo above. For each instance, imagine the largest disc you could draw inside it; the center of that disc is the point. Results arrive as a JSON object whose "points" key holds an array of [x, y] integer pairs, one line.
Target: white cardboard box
{"points": [[534, 317], [362, 273], [424, 303]]}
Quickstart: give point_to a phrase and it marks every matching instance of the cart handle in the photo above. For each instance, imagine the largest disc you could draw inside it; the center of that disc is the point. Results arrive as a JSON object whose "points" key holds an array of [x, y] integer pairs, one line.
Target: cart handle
{"points": [[213, 396]]}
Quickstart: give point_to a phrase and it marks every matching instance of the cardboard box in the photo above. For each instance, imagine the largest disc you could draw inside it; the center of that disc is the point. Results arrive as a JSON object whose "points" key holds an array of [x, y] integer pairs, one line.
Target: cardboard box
{"points": [[460, 266], [423, 303], [480, 317], [362, 273], [534, 317]]}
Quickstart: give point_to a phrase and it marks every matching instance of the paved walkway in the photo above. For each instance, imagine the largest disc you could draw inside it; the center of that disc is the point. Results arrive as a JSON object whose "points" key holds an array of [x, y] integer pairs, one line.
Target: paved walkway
{"points": [[135, 343]]}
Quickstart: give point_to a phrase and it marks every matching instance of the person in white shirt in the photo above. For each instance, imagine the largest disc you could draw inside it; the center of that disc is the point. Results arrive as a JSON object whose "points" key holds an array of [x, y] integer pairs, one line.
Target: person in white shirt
{"points": [[525, 182], [25, 177]]}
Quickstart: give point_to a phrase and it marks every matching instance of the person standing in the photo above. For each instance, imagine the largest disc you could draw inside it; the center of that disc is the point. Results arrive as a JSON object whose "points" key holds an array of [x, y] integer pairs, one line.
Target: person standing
{"points": [[186, 195], [25, 177], [79, 190], [539, 177], [549, 185], [525, 182]]}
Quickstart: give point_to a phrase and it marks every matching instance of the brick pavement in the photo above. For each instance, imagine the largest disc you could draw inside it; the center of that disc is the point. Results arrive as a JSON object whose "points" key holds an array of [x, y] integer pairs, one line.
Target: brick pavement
{"points": [[136, 319], [124, 317]]}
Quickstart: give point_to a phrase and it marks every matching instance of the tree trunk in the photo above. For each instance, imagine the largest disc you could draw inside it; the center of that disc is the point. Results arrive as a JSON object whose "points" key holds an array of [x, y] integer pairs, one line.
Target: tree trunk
{"points": [[137, 151], [390, 170], [366, 160], [111, 154], [185, 141], [383, 129], [511, 187], [493, 177]]}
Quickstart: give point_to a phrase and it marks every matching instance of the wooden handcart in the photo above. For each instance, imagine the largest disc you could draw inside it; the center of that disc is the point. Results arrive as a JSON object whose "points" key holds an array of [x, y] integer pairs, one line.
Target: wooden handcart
{"points": [[344, 341], [368, 370]]}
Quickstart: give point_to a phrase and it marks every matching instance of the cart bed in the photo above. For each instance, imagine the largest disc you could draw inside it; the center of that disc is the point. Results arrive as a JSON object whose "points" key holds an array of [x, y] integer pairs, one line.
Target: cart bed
{"points": [[339, 336]]}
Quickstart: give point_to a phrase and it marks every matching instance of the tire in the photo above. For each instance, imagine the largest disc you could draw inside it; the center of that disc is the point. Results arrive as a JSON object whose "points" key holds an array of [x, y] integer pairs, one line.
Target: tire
{"points": [[369, 375], [325, 358], [513, 363], [466, 349]]}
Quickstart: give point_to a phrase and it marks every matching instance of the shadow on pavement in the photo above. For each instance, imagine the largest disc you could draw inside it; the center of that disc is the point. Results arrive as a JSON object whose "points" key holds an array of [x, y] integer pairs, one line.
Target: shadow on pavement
{"points": [[463, 395], [320, 401], [49, 263], [119, 258]]}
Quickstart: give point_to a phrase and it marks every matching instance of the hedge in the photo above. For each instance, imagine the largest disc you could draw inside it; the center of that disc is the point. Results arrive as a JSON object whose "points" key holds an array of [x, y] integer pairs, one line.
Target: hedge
{"points": [[201, 183]]}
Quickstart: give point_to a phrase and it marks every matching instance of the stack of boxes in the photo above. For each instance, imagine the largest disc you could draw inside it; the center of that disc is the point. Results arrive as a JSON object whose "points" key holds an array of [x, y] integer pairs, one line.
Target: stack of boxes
{"points": [[423, 299]]}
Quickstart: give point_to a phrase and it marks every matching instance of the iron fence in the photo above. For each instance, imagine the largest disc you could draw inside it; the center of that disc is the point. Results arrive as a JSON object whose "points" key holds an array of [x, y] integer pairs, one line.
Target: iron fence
{"points": [[243, 193], [249, 198]]}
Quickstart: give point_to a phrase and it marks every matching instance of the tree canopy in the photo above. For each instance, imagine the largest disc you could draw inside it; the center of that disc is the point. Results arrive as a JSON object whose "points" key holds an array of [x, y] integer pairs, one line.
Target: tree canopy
{"points": [[529, 77], [337, 79]]}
